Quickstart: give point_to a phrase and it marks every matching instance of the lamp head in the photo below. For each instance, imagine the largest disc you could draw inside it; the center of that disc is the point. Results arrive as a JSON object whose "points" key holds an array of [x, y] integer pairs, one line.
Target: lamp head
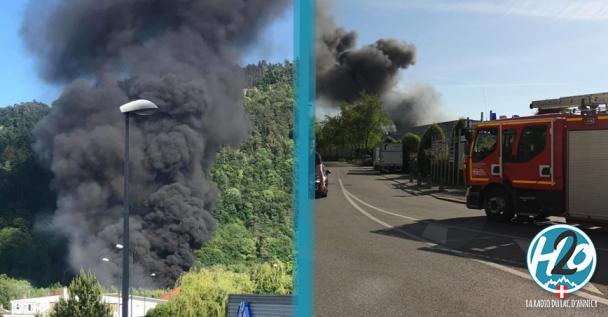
{"points": [[140, 107]]}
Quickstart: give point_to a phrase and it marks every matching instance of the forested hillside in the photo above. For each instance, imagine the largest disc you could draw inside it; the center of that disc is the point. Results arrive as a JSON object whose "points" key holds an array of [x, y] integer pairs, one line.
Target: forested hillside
{"points": [[251, 250], [253, 210], [27, 250], [255, 181]]}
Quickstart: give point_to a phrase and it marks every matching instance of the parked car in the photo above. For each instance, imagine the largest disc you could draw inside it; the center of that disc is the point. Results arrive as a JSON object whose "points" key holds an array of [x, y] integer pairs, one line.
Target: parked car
{"points": [[319, 192]]}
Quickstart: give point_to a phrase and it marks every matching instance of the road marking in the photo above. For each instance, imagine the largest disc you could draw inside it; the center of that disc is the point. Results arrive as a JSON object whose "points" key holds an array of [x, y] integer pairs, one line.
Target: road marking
{"points": [[523, 243], [503, 268], [588, 287], [426, 221], [437, 233], [382, 223], [376, 208]]}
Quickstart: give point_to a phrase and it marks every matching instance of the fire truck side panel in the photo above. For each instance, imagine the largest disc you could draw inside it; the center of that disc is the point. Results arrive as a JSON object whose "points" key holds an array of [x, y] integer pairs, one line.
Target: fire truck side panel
{"points": [[587, 169], [524, 163]]}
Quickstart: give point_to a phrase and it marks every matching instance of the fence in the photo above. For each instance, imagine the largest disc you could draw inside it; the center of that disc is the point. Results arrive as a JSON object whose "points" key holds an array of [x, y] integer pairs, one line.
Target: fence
{"points": [[446, 158]]}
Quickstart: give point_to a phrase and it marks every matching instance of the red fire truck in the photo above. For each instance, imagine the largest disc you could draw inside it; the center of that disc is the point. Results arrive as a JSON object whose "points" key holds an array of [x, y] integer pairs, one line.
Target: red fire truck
{"points": [[552, 163]]}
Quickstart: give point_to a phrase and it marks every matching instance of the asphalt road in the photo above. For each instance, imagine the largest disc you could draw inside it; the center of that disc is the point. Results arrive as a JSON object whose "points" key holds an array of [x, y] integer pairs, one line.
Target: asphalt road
{"points": [[383, 252]]}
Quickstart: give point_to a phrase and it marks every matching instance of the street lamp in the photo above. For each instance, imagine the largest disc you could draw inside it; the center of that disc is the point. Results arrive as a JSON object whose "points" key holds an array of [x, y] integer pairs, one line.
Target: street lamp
{"points": [[119, 281], [139, 107], [152, 275]]}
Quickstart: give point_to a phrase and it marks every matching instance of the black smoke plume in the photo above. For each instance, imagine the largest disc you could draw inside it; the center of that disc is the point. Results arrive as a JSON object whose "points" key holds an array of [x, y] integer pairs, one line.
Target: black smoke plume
{"points": [[416, 105], [179, 54], [344, 71]]}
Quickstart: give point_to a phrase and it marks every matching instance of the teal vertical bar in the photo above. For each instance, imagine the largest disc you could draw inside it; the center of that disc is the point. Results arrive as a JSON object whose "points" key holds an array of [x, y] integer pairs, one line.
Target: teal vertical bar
{"points": [[303, 154]]}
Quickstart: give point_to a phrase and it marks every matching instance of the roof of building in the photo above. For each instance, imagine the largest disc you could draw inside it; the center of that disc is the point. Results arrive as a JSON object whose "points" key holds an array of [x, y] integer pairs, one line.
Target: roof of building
{"points": [[446, 126], [170, 294], [57, 297], [51, 297], [261, 305], [135, 297]]}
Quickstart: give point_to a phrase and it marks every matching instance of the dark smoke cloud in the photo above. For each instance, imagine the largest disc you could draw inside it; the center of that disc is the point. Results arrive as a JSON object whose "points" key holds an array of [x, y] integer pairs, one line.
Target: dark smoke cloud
{"points": [[179, 54], [344, 71], [418, 104]]}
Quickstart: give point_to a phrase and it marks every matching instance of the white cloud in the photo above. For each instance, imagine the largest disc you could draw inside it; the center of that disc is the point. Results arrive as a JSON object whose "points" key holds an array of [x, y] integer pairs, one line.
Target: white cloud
{"points": [[592, 10]]}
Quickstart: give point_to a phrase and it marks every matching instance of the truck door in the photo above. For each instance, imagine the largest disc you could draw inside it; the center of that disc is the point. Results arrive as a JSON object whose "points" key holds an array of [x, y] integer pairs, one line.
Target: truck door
{"points": [[485, 163], [527, 162]]}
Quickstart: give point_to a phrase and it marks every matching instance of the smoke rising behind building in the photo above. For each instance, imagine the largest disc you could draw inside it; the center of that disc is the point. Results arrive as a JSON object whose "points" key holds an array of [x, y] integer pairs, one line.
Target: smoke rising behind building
{"points": [[344, 71], [182, 56]]}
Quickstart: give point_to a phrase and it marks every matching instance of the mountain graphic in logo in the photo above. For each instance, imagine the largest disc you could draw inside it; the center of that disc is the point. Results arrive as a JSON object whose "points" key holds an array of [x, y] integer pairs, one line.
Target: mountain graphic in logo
{"points": [[562, 280]]}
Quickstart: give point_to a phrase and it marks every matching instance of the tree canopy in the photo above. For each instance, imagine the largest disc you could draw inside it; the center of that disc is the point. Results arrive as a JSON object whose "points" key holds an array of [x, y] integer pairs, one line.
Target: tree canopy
{"points": [[27, 251], [424, 162], [84, 299], [411, 142], [359, 126]]}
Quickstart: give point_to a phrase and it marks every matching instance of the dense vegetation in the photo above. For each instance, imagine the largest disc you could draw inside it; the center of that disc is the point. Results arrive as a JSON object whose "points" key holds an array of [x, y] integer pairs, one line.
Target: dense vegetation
{"points": [[411, 142], [355, 131], [254, 206], [251, 250], [27, 249], [84, 299], [434, 132]]}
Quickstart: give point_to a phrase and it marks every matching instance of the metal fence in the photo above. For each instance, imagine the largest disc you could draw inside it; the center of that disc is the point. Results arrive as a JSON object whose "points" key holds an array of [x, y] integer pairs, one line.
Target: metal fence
{"points": [[446, 158]]}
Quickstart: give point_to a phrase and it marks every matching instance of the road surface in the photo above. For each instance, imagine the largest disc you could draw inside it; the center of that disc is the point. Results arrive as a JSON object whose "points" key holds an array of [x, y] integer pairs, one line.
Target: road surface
{"points": [[383, 252]]}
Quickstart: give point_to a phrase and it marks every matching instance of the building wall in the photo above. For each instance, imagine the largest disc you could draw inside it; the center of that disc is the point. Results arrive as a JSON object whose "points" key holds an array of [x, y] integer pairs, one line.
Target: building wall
{"points": [[29, 307]]}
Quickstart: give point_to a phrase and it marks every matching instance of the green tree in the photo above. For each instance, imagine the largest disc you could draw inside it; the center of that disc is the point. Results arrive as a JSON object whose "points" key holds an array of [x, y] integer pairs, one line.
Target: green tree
{"points": [[272, 278], [204, 293], [254, 180], [358, 127], [84, 299], [424, 162], [410, 142], [11, 289], [25, 199], [231, 244]]}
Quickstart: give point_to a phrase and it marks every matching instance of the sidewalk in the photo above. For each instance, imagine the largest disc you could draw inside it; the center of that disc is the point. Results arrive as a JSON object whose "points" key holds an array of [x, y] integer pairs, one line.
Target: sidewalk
{"points": [[447, 193]]}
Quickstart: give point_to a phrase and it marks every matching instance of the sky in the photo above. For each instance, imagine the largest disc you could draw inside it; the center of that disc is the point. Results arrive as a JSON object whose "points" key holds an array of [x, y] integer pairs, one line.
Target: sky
{"points": [[479, 55], [491, 55], [20, 81]]}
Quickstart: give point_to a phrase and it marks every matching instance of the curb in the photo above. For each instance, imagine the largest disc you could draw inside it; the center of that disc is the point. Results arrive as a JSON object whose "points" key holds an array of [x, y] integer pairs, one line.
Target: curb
{"points": [[440, 197], [454, 200]]}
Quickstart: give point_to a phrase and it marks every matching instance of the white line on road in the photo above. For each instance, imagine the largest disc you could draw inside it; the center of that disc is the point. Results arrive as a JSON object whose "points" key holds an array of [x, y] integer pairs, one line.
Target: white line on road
{"points": [[503, 268], [382, 223], [520, 241]]}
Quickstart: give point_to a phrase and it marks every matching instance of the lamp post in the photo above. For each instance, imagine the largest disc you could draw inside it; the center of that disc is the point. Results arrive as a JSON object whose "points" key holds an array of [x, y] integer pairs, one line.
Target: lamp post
{"points": [[152, 275], [138, 107], [107, 260]]}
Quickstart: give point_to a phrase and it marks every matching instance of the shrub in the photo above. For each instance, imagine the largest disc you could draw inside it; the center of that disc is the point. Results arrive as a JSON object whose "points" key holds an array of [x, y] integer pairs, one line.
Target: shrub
{"points": [[204, 293], [424, 162], [410, 142]]}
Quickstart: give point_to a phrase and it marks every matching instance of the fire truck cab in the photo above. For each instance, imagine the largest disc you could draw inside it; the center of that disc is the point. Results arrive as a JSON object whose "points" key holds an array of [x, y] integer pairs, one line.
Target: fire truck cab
{"points": [[553, 163]]}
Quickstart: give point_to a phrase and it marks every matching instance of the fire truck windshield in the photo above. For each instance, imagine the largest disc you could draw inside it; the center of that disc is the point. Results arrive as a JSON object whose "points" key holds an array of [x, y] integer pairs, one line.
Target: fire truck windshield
{"points": [[485, 143]]}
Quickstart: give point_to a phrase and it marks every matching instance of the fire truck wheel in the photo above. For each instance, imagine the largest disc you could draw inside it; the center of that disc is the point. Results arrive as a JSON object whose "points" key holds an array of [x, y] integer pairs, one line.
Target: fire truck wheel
{"points": [[498, 206]]}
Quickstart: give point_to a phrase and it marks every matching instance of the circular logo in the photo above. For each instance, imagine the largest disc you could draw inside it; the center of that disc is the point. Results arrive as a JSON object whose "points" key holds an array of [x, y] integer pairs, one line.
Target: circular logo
{"points": [[561, 259]]}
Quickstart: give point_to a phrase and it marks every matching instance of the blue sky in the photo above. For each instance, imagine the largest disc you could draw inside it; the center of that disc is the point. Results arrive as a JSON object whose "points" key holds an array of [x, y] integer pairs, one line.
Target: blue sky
{"points": [[20, 82], [512, 52], [479, 55]]}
